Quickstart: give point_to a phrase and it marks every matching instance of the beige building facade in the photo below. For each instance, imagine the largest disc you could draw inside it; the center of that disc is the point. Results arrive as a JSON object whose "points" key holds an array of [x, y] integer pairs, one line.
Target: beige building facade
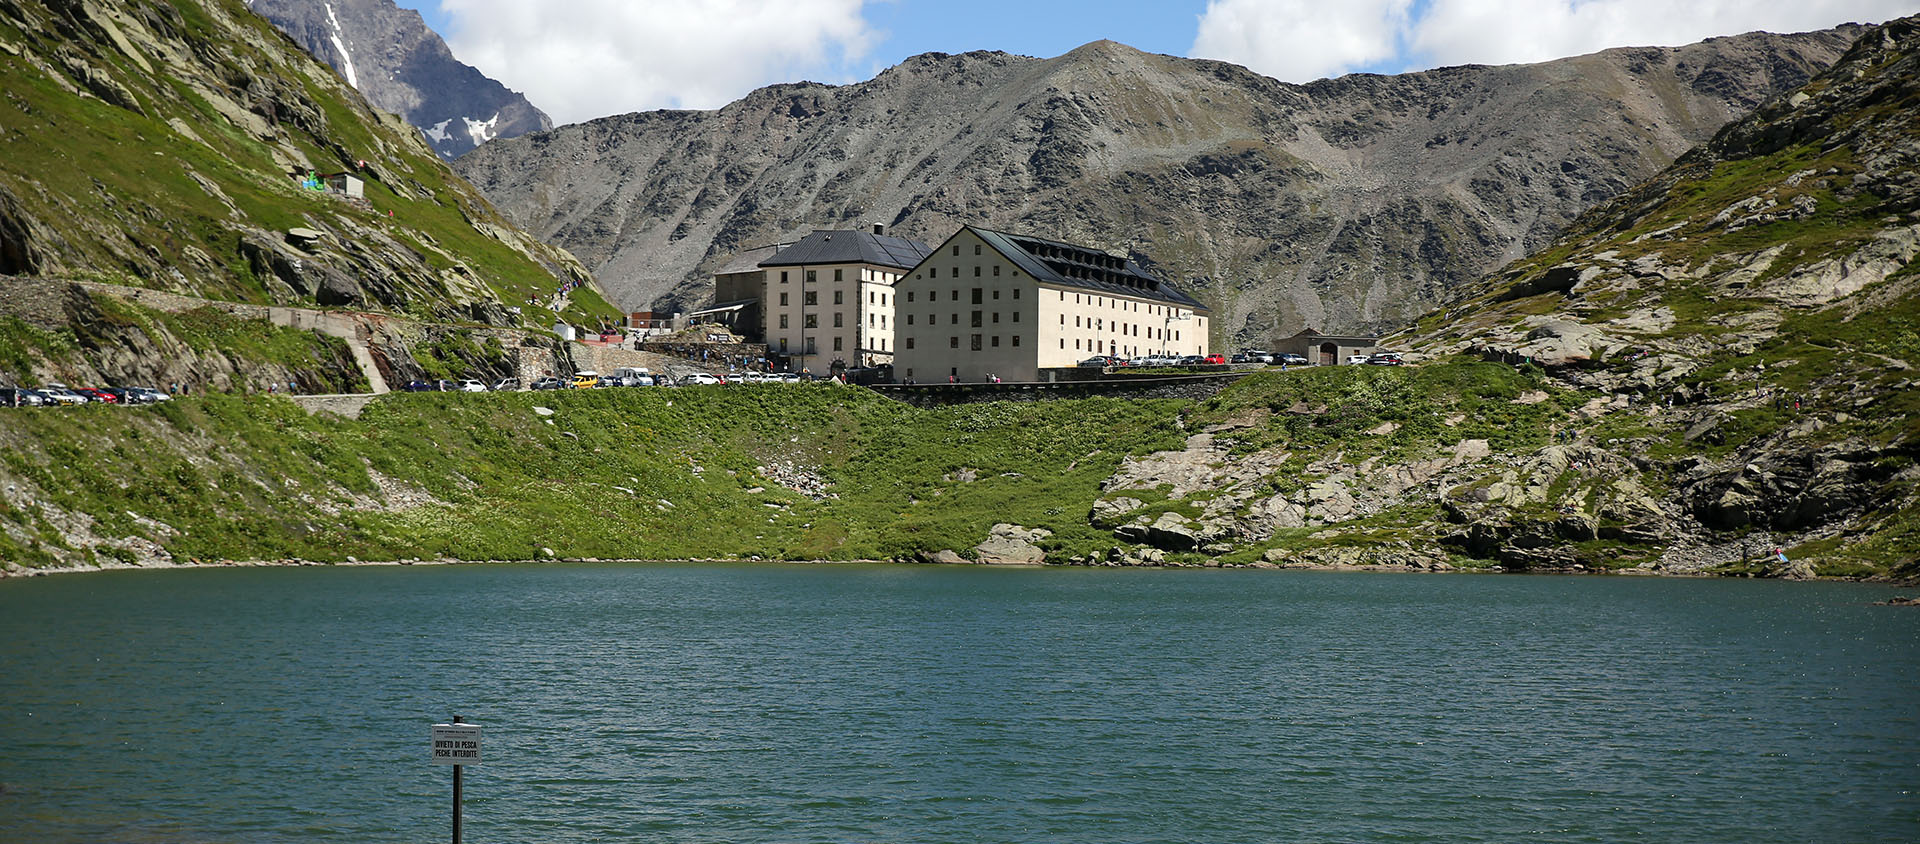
{"points": [[986, 304], [830, 297]]}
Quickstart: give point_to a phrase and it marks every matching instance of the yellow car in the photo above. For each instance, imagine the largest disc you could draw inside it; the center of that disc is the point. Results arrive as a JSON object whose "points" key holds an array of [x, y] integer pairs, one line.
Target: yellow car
{"points": [[586, 380]]}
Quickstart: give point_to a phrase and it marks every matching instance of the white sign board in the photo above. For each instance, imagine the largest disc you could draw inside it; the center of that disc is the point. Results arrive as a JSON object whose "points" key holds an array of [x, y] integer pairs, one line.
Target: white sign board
{"points": [[456, 744]]}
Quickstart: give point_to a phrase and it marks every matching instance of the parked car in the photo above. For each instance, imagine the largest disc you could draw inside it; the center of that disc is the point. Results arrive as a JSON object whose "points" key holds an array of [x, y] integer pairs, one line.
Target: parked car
{"points": [[122, 395], [150, 395], [1385, 359], [586, 379], [612, 381], [97, 394], [472, 385], [549, 383], [1293, 359], [61, 395], [700, 378], [1356, 360], [20, 397], [1217, 359], [506, 385], [419, 387], [1192, 360]]}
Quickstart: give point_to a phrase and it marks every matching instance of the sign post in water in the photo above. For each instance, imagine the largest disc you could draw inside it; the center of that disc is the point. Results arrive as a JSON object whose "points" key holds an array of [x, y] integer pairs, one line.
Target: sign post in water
{"points": [[456, 744]]}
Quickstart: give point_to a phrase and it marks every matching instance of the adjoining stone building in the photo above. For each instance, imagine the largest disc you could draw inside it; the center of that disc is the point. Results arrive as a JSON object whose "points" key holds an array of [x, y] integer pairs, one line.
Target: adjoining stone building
{"points": [[829, 297], [987, 303], [1327, 349]]}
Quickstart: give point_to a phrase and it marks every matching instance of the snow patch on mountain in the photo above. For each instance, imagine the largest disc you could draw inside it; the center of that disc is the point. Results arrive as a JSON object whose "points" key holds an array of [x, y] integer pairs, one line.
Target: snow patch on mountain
{"points": [[438, 134], [346, 59], [482, 131]]}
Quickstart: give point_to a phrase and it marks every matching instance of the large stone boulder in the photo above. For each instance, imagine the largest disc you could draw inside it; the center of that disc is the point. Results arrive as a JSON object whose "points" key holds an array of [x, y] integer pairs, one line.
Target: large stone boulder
{"points": [[1009, 544]]}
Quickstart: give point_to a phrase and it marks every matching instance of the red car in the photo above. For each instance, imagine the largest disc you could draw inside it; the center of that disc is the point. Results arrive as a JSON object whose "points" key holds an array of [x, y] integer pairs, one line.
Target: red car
{"points": [[97, 394], [1217, 359]]}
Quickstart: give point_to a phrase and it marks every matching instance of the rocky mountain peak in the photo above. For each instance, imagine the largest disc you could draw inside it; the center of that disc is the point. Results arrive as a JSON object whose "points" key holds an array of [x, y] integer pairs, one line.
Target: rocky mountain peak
{"points": [[402, 66], [1350, 204]]}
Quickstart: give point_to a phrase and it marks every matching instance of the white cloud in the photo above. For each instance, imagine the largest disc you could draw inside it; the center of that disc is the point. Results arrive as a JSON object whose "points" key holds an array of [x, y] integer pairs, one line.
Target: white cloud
{"points": [[1510, 31], [1300, 41], [582, 59]]}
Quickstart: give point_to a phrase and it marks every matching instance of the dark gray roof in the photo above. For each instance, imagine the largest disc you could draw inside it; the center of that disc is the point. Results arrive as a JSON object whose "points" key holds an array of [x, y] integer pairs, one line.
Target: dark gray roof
{"points": [[851, 247], [1054, 262], [749, 260]]}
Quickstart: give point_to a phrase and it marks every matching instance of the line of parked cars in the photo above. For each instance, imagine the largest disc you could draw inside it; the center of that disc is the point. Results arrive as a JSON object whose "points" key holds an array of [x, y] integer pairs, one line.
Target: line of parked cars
{"points": [[588, 380], [61, 395]]}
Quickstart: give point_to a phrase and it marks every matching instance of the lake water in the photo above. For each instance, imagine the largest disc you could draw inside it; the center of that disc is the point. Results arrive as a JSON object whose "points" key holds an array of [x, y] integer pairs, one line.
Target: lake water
{"points": [[765, 703]]}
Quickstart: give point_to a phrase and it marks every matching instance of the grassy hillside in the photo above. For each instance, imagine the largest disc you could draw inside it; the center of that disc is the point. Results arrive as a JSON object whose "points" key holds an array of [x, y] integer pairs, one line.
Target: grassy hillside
{"points": [[610, 474], [162, 144]]}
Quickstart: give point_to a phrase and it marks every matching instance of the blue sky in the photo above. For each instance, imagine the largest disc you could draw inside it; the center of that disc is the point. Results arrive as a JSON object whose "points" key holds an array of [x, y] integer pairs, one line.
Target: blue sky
{"points": [[581, 59]]}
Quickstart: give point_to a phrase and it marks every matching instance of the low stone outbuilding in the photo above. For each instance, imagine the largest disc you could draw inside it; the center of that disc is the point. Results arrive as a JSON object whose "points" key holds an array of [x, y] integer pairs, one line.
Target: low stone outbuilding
{"points": [[1327, 349]]}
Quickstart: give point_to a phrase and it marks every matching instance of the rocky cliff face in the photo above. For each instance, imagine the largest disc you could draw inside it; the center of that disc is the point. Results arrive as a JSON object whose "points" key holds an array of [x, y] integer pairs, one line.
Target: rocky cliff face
{"points": [[402, 66], [1716, 364], [1345, 204], [171, 145]]}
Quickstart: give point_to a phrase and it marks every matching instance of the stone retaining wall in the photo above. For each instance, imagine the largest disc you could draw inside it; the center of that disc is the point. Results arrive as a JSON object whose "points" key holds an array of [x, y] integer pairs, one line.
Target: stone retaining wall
{"points": [[1194, 387]]}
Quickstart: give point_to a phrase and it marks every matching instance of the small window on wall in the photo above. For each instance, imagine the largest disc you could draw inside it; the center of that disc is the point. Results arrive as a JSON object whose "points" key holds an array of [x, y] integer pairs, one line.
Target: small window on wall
{"points": [[1016, 341], [909, 295], [838, 275], [839, 296], [956, 250], [932, 272], [783, 276], [838, 320], [956, 294], [996, 294], [976, 295], [976, 319], [812, 276], [836, 343], [872, 296], [813, 321], [976, 271], [996, 341], [783, 299], [976, 249], [996, 317], [1016, 316], [953, 342], [783, 320], [883, 300], [956, 319], [909, 319], [909, 342], [812, 297], [976, 342]]}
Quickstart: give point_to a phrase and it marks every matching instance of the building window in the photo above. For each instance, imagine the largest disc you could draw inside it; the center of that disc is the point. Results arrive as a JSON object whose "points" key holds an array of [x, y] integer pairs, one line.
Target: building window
{"points": [[976, 319], [810, 298], [883, 300], [1076, 344], [976, 295], [956, 318], [953, 342], [932, 272], [836, 343], [812, 346], [837, 323], [1076, 320], [976, 342], [1016, 316], [956, 250], [783, 276], [956, 294], [909, 345], [871, 296], [783, 345], [1063, 319], [996, 270], [996, 317], [1063, 343], [783, 298], [996, 341], [996, 294], [869, 320], [909, 319], [976, 249], [976, 270], [783, 320], [839, 296], [1016, 341], [812, 321], [837, 275], [812, 276], [909, 295], [883, 320]]}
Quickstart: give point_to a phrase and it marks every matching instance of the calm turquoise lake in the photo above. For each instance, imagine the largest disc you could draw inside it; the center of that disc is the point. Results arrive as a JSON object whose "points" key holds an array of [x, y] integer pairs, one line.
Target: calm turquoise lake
{"points": [[833, 703]]}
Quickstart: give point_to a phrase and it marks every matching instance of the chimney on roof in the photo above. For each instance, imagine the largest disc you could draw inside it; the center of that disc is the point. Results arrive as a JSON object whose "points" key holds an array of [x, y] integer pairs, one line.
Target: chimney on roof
{"points": [[879, 229]]}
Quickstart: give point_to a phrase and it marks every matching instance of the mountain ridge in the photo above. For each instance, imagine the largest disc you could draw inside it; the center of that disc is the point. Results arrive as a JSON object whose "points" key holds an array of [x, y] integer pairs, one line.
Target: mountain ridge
{"points": [[1347, 203], [406, 68]]}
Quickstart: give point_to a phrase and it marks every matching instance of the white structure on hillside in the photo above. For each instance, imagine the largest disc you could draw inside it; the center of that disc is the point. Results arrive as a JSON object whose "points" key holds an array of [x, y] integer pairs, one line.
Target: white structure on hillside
{"points": [[987, 303]]}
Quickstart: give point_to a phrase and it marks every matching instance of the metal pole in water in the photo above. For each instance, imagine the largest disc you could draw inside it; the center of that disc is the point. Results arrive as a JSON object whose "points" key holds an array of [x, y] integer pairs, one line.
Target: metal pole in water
{"points": [[456, 795]]}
